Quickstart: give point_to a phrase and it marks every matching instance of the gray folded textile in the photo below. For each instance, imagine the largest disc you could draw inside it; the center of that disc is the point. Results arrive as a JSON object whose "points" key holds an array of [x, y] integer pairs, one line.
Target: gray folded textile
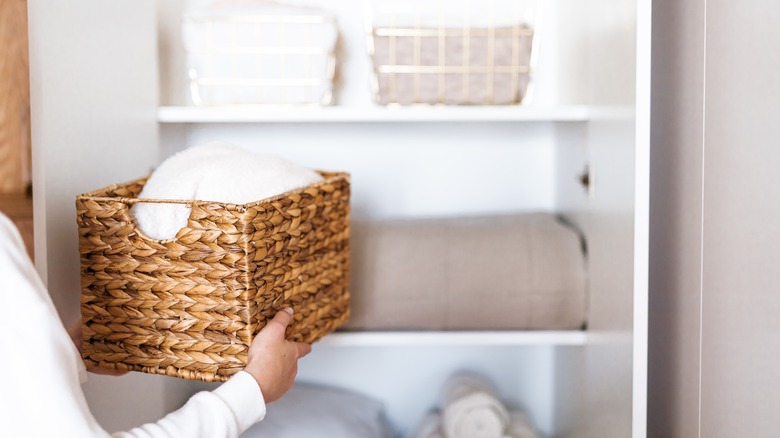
{"points": [[311, 410], [499, 272]]}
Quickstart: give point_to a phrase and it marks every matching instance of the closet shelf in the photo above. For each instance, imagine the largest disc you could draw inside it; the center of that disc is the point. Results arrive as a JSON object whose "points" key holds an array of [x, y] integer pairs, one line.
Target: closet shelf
{"points": [[455, 338], [372, 114]]}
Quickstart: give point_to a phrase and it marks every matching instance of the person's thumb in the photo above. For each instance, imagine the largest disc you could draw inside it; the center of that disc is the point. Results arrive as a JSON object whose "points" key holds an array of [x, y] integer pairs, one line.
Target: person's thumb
{"points": [[281, 320]]}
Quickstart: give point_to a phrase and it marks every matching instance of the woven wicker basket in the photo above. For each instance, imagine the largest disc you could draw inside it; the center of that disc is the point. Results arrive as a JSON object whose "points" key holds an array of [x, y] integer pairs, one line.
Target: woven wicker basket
{"points": [[190, 306], [473, 52]]}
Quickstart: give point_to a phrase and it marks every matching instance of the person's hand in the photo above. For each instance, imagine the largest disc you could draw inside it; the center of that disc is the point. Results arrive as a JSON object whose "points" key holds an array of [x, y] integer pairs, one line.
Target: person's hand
{"points": [[273, 360], [75, 331]]}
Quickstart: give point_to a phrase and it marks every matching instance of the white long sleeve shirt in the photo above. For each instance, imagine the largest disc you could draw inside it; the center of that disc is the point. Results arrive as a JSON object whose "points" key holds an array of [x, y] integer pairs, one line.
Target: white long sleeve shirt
{"points": [[41, 371]]}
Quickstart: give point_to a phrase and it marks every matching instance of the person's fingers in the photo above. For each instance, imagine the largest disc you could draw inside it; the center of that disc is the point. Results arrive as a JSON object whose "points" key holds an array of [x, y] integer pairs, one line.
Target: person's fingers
{"points": [[74, 326], [106, 371], [282, 319], [303, 349]]}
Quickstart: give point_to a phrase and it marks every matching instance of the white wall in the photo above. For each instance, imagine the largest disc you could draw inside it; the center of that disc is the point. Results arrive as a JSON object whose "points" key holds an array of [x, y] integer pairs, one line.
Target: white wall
{"points": [[93, 119], [675, 217], [93, 98], [715, 350], [741, 224]]}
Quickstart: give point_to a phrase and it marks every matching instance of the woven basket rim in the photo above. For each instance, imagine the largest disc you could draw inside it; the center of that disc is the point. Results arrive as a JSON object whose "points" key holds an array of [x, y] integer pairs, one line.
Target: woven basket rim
{"points": [[328, 178]]}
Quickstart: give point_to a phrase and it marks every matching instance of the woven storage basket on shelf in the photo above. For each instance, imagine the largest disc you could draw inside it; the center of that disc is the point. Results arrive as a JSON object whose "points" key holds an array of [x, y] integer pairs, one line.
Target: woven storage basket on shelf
{"points": [[190, 306], [475, 52]]}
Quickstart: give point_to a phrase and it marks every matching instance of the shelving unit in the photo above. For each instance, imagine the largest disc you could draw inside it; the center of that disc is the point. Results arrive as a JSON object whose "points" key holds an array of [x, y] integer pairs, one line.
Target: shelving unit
{"points": [[590, 109]]}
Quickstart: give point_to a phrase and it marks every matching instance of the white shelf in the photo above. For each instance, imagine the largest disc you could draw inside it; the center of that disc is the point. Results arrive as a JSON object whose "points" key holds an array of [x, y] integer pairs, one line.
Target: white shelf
{"points": [[455, 338], [335, 114]]}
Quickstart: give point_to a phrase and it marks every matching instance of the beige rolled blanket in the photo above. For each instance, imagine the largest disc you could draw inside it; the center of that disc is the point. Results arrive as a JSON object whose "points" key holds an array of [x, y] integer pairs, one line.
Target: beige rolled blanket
{"points": [[523, 271]]}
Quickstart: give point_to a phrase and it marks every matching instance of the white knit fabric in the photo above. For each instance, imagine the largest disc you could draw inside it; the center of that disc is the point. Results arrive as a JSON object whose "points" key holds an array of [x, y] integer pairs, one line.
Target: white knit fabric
{"points": [[250, 52], [213, 172]]}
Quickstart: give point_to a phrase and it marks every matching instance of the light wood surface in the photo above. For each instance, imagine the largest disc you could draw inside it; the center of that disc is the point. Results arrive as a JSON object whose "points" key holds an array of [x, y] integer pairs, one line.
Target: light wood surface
{"points": [[15, 103]]}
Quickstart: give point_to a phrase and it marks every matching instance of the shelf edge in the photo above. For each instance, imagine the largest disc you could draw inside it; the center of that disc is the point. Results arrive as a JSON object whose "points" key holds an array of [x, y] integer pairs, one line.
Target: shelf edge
{"points": [[188, 114], [458, 338]]}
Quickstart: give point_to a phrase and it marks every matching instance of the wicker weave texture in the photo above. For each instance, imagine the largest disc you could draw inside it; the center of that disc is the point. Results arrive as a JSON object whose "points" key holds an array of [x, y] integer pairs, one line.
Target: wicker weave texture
{"points": [[190, 306]]}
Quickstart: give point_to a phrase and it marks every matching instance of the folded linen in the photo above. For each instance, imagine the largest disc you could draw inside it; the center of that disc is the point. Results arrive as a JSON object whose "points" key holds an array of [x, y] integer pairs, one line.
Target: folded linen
{"points": [[519, 271], [260, 52], [212, 172]]}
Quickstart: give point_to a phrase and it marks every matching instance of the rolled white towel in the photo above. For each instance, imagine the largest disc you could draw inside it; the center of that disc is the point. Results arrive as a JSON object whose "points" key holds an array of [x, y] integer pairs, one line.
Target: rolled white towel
{"points": [[470, 409], [519, 426], [213, 172]]}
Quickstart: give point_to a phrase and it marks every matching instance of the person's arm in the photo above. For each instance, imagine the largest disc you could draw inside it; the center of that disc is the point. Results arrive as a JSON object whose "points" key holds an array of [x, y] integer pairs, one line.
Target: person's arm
{"points": [[225, 412], [42, 394], [238, 403]]}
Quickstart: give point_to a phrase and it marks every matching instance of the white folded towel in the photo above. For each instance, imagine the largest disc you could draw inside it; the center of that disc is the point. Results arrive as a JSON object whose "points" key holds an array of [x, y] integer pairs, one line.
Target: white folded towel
{"points": [[274, 53], [470, 409], [213, 172]]}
